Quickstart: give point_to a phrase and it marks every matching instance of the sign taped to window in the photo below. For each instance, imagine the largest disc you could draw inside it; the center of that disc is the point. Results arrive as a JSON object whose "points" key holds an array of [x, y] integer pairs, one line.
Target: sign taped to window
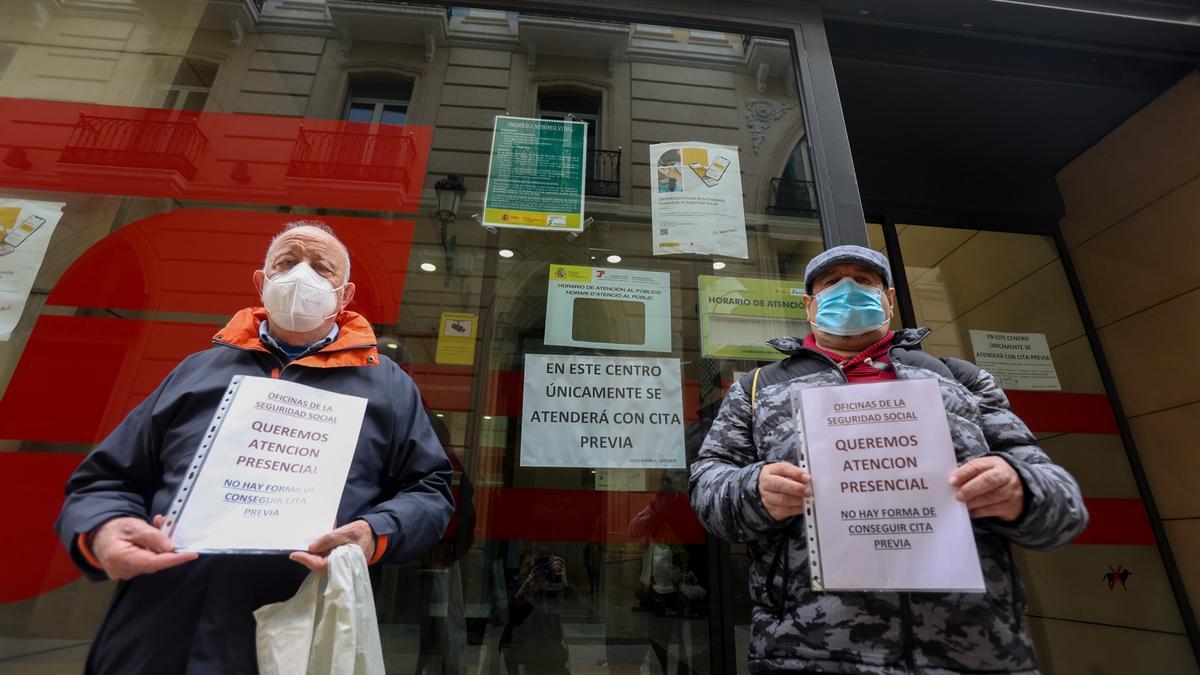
{"points": [[1016, 360], [25, 229], [608, 308], [612, 412], [696, 200], [536, 174], [738, 315]]}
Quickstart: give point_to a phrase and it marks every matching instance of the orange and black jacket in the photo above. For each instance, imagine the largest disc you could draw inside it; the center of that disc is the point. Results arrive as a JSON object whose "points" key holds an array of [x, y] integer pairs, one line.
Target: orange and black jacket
{"points": [[198, 617]]}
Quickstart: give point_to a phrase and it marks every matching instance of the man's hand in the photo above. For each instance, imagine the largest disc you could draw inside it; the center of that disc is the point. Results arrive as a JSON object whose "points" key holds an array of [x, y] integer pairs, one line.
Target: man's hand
{"points": [[127, 547], [357, 532], [990, 487], [783, 487]]}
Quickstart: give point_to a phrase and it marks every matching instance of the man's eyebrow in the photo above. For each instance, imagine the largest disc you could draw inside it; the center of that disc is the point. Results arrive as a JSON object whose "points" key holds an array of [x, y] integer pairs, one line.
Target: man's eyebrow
{"points": [[328, 260]]}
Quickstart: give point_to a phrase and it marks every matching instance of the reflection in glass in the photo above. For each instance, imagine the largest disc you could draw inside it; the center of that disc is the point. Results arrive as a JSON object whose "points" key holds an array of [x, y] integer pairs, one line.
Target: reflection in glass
{"points": [[179, 163]]}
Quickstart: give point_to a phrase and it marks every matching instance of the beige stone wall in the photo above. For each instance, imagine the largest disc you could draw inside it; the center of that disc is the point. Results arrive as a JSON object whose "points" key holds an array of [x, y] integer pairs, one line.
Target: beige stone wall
{"points": [[1133, 227]]}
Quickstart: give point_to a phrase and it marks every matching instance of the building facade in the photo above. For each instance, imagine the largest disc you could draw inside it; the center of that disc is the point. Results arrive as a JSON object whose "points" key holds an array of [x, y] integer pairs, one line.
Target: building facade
{"points": [[163, 142]]}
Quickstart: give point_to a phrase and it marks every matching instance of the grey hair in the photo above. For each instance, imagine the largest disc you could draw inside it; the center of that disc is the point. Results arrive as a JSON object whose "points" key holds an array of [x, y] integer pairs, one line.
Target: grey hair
{"points": [[317, 224]]}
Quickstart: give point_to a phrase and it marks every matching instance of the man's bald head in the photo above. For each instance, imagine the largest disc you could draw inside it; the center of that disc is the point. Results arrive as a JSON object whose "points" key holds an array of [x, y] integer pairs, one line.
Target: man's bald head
{"points": [[311, 241]]}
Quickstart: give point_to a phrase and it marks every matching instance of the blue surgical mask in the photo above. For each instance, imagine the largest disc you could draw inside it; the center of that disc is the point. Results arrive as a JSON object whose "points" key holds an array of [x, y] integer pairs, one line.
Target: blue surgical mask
{"points": [[849, 308]]}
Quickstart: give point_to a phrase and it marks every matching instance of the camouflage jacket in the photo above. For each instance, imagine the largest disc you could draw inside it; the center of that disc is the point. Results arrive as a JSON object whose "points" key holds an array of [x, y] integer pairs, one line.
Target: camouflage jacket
{"points": [[794, 628]]}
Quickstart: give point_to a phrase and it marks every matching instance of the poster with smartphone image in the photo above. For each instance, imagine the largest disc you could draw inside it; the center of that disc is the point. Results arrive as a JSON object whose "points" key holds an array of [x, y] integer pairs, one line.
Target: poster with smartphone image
{"points": [[25, 229], [696, 200]]}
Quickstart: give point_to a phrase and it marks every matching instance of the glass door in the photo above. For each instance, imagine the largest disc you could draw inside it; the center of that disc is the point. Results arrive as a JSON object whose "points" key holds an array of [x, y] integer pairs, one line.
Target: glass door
{"points": [[1003, 300]]}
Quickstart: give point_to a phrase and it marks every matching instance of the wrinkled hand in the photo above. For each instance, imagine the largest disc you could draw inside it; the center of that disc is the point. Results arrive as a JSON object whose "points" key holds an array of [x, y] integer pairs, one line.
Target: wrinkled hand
{"points": [[357, 532], [990, 487], [127, 547], [784, 487]]}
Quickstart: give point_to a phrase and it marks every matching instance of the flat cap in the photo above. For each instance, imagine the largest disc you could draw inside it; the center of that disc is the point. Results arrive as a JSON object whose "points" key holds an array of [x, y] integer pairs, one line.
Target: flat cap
{"points": [[847, 254]]}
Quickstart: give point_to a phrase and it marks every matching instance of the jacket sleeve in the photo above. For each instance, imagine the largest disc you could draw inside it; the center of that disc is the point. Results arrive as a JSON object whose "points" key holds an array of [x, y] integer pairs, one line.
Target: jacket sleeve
{"points": [[1054, 511], [118, 478], [416, 498], [724, 477]]}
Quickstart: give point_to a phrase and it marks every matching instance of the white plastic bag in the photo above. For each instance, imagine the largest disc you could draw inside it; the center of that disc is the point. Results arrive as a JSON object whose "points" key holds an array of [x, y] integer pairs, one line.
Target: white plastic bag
{"points": [[329, 626]]}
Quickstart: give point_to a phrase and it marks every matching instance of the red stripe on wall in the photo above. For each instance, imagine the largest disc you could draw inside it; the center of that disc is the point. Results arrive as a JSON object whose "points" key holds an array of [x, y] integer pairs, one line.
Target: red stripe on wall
{"points": [[31, 494], [223, 157], [1117, 522], [585, 515], [1064, 412]]}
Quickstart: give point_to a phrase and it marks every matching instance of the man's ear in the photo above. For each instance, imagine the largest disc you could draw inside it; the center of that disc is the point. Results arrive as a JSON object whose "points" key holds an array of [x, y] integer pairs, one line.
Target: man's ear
{"points": [[259, 279], [891, 300], [810, 305], [347, 294]]}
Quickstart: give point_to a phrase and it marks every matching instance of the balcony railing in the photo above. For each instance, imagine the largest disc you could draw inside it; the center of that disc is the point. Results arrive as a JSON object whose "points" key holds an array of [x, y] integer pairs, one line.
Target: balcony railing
{"points": [[168, 145], [353, 155], [792, 198], [603, 173]]}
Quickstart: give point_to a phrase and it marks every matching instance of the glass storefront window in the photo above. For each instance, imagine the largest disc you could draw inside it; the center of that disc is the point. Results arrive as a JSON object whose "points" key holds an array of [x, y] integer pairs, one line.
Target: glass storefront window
{"points": [[174, 142]]}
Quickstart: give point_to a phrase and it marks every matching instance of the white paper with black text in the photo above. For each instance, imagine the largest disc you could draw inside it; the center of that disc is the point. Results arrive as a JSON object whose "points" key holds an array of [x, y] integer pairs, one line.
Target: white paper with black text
{"points": [[884, 514], [269, 473]]}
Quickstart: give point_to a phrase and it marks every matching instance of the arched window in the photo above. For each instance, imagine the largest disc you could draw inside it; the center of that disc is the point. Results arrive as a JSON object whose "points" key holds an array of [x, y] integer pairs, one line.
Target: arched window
{"points": [[794, 193]]}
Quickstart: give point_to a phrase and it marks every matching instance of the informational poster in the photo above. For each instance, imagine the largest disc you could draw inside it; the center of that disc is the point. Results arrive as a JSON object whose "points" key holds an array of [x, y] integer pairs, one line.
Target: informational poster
{"points": [[608, 308], [272, 476], [738, 315], [886, 518], [456, 339], [610, 412], [536, 174], [25, 229], [1017, 360], [696, 200]]}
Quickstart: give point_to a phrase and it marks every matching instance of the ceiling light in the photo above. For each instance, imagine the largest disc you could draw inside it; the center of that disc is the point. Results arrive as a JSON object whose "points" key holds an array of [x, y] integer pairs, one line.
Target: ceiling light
{"points": [[440, 415], [428, 267], [487, 417], [718, 265], [614, 258], [392, 345], [506, 253]]}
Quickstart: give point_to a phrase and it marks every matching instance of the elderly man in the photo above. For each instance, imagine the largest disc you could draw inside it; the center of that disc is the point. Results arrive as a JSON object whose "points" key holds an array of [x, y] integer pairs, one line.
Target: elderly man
{"points": [[177, 612], [745, 487]]}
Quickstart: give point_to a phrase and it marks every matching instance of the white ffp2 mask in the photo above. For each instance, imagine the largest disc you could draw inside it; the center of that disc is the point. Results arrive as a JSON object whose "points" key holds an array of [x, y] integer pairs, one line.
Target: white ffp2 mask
{"points": [[299, 300]]}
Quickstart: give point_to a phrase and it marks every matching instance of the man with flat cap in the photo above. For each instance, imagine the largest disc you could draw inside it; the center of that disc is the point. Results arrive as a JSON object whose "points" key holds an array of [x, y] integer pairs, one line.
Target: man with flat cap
{"points": [[746, 487]]}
